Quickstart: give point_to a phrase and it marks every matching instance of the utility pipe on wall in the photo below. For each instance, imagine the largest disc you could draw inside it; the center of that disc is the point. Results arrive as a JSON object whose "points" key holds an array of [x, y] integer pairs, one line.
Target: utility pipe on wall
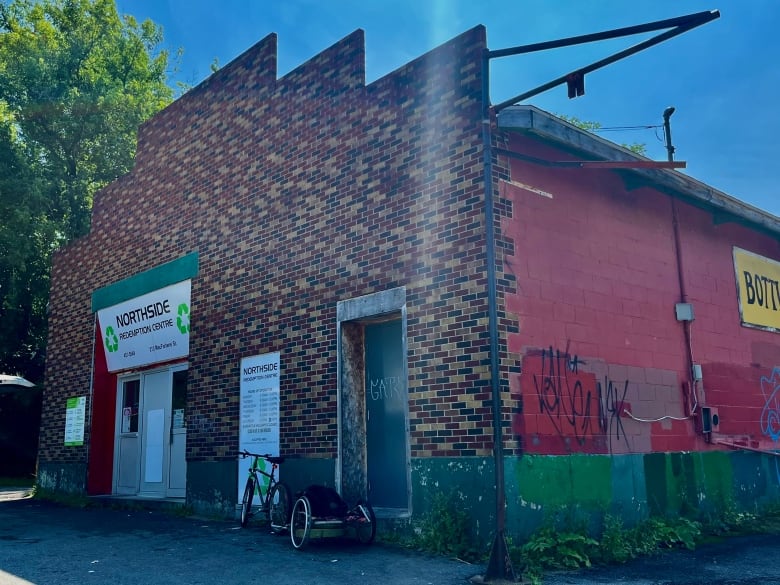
{"points": [[680, 271]]}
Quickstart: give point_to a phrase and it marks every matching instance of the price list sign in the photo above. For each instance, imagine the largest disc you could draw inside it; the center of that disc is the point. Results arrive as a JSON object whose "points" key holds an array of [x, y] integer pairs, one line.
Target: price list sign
{"points": [[74, 421], [259, 427]]}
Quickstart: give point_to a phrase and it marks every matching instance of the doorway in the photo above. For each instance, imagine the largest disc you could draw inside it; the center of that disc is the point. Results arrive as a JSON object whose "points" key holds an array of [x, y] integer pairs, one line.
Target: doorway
{"points": [[386, 405], [151, 437], [374, 459]]}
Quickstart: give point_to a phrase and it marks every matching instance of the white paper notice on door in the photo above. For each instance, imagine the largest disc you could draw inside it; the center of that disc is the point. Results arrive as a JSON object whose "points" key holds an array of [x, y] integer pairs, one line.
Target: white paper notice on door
{"points": [[155, 434]]}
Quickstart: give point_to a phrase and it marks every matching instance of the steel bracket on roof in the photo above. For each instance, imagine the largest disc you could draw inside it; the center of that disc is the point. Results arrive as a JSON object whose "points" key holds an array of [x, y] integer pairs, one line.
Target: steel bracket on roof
{"points": [[575, 80]]}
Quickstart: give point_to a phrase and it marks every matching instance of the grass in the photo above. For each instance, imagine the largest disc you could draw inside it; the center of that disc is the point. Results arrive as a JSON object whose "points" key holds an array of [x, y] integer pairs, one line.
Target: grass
{"points": [[25, 482]]}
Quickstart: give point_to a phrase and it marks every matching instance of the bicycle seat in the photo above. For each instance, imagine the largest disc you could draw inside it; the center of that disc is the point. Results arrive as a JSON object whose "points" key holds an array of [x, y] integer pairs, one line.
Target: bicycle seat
{"points": [[276, 460]]}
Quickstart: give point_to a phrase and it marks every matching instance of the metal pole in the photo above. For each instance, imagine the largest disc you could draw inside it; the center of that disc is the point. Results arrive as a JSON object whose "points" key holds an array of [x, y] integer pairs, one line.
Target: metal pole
{"points": [[499, 565], [668, 132]]}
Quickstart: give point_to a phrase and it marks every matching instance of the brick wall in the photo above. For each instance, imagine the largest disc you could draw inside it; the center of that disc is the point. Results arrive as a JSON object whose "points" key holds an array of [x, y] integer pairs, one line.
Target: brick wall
{"points": [[298, 193], [738, 363], [597, 335]]}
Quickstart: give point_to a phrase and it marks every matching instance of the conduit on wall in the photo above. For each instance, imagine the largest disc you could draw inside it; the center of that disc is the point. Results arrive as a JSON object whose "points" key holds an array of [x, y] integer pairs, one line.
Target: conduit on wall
{"points": [[746, 448]]}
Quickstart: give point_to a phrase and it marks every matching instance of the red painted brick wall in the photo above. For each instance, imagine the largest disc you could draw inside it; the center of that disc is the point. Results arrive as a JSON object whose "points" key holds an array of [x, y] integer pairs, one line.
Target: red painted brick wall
{"points": [[737, 361], [298, 193], [597, 283]]}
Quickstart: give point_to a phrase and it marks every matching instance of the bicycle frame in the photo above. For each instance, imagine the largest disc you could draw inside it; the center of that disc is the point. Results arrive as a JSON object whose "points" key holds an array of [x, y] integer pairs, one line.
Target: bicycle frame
{"points": [[274, 499], [254, 469]]}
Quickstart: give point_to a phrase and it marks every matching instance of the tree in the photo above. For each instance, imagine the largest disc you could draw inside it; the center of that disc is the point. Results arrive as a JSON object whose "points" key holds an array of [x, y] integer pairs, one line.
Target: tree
{"points": [[25, 233], [593, 127], [76, 81]]}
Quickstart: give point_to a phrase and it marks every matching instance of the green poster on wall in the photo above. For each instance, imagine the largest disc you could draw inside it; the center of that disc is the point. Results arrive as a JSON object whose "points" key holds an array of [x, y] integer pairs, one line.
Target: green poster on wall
{"points": [[76, 408]]}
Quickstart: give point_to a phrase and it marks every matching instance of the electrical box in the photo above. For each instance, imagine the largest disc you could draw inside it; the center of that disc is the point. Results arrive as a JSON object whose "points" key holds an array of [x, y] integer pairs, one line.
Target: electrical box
{"points": [[684, 311], [697, 372], [710, 419]]}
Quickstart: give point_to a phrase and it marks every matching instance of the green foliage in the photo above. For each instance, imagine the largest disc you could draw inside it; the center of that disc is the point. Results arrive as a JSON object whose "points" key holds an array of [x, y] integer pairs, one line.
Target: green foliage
{"points": [[82, 81], [617, 545], [559, 550], [26, 481], [76, 81], [67, 499], [447, 529], [655, 533], [593, 127], [722, 519], [551, 549]]}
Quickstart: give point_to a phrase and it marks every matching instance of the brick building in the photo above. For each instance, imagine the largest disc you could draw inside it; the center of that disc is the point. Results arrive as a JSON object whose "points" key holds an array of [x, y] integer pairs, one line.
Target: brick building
{"points": [[336, 231]]}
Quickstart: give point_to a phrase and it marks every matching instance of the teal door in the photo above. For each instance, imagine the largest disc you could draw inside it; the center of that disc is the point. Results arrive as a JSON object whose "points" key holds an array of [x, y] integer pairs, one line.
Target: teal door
{"points": [[386, 414]]}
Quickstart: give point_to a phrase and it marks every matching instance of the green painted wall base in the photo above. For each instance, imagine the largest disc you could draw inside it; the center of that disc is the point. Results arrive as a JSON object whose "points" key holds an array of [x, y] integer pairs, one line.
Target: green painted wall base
{"points": [[469, 482], [65, 478], [580, 489], [583, 488], [213, 486], [539, 489]]}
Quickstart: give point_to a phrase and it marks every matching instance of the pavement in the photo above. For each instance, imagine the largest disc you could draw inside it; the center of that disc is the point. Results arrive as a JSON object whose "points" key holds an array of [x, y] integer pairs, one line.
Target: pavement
{"points": [[47, 543]]}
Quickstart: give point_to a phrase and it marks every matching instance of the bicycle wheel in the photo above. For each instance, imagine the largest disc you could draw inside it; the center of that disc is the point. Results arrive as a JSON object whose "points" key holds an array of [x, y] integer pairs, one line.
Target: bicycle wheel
{"points": [[279, 507], [365, 527], [246, 503], [300, 523]]}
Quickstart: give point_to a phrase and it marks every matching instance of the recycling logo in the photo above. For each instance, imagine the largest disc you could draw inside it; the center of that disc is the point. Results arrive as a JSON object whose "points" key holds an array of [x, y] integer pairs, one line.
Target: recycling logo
{"points": [[112, 341], [183, 320]]}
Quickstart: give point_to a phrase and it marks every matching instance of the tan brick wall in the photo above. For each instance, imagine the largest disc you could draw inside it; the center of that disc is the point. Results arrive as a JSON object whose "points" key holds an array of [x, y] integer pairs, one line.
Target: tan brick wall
{"points": [[298, 193]]}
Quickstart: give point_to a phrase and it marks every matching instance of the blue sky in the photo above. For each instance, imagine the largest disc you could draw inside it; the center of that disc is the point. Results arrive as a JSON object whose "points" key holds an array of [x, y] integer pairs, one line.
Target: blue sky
{"points": [[723, 78]]}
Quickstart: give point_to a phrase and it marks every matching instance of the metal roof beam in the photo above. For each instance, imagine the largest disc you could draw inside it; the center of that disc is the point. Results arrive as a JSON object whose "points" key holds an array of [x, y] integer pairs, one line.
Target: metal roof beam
{"points": [[575, 79]]}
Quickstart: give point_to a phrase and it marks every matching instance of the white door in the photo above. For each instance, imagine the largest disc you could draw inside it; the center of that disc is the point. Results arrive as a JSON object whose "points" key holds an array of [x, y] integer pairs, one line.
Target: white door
{"points": [[151, 437], [156, 431], [177, 471]]}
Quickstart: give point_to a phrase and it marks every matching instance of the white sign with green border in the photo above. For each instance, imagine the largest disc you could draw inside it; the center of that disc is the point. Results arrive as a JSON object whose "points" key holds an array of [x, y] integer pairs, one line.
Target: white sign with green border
{"points": [[76, 409], [259, 413], [152, 328]]}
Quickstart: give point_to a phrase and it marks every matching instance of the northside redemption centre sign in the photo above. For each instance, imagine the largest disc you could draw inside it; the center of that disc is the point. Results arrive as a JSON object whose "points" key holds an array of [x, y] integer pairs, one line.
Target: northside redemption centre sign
{"points": [[152, 328]]}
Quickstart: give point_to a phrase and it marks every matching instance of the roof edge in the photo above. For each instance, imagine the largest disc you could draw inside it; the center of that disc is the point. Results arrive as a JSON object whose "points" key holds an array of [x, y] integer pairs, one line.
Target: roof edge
{"points": [[532, 120]]}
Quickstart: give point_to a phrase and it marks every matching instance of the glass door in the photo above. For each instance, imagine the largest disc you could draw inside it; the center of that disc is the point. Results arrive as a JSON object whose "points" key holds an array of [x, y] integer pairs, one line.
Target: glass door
{"points": [[177, 476], [127, 444], [155, 431]]}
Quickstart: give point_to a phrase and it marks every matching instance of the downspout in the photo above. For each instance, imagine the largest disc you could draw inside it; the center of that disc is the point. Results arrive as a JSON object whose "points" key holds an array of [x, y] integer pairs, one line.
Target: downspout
{"points": [[684, 299], [499, 565], [680, 272]]}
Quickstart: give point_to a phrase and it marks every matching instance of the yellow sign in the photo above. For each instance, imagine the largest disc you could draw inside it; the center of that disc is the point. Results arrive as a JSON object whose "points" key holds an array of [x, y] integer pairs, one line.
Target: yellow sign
{"points": [[758, 280]]}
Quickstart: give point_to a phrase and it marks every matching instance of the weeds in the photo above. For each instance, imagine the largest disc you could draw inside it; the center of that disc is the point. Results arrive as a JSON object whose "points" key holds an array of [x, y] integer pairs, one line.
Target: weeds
{"points": [[447, 530], [67, 499], [551, 549]]}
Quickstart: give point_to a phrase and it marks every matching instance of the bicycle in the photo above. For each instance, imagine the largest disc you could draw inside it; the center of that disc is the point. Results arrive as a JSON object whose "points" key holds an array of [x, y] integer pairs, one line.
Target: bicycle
{"points": [[275, 503]]}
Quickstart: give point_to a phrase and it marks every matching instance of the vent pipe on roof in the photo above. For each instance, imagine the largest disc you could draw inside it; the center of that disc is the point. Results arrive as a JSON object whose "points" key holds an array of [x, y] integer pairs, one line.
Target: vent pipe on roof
{"points": [[668, 132]]}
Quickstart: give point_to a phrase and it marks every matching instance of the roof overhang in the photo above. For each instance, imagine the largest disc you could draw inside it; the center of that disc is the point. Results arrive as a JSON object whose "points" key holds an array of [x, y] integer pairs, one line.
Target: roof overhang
{"points": [[532, 121], [12, 383]]}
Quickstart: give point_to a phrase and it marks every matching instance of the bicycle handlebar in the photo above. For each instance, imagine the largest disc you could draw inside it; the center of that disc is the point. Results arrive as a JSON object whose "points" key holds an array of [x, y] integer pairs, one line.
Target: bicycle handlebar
{"points": [[267, 456], [244, 454]]}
